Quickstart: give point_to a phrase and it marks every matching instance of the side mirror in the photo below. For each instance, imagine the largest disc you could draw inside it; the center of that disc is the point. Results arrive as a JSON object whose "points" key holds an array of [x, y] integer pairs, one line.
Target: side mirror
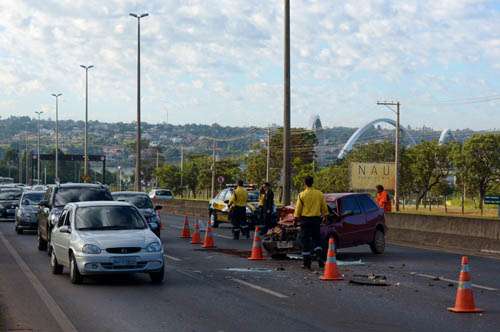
{"points": [[158, 207], [347, 213], [65, 229]]}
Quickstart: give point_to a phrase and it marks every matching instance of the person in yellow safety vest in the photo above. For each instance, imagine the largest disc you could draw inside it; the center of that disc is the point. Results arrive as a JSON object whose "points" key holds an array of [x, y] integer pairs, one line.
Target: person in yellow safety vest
{"points": [[310, 210], [238, 211]]}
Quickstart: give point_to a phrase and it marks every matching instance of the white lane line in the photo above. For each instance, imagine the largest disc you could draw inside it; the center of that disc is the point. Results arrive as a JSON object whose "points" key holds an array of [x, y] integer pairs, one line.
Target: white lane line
{"points": [[259, 288], [173, 258], [423, 275], [62, 320], [488, 251]]}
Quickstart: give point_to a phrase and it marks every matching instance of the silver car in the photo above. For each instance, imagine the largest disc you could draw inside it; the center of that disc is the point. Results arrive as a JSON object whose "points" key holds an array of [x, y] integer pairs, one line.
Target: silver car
{"points": [[27, 210], [93, 238]]}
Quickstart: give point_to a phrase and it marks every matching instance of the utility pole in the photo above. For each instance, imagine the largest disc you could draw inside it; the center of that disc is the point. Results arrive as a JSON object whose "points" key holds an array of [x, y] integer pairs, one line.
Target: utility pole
{"points": [[119, 178], [20, 161], [86, 137], [56, 167], [213, 170], [157, 164], [286, 110], [182, 170], [27, 159], [137, 182], [396, 157], [39, 113], [268, 154]]}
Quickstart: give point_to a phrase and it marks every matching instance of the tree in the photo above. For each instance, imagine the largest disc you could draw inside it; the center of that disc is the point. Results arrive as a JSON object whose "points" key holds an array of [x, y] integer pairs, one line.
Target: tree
{"points": [[332, 179], [429, 164], [481, 155], [169, 177]]}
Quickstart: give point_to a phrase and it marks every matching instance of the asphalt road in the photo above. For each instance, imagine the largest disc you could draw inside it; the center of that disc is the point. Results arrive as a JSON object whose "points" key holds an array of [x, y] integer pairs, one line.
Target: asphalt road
{"points": [[219, 290]]}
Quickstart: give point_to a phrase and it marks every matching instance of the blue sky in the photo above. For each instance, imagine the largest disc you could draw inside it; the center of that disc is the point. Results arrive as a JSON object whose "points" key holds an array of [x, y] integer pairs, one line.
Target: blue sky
{"points": [[221, 60]]}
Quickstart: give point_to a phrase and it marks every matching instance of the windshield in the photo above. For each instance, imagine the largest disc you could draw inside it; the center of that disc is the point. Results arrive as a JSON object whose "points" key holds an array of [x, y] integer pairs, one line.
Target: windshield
{"points": [[140, 201], [101, 218], [68, 195], [253, 196], [32, 198], [10, 195], [163, 193]]}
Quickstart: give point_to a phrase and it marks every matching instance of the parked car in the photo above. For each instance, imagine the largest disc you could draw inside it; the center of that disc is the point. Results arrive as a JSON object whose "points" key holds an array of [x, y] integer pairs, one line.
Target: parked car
{"points": [[354, 219], [56, 197], [27, 211], [93, 238], [9, 201], [219, 212], [161, 194], [145, 206]]}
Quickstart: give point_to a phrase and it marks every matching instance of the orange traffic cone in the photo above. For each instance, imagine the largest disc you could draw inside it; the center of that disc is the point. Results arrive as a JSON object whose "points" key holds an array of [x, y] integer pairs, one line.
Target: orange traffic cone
{"points": [[464, 301], [256, 247], [209, 240], [196, 238], [186, 232], [331, 271]]}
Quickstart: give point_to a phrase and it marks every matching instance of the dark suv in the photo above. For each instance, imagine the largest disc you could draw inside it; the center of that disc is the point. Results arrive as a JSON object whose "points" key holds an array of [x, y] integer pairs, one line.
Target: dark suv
{"points": [[354, 219], [9, 201], [57, 197]]}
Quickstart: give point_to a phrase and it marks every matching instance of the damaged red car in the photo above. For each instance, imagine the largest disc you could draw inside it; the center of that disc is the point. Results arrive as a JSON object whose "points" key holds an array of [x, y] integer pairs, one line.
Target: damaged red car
{"points": [[354, 219]]}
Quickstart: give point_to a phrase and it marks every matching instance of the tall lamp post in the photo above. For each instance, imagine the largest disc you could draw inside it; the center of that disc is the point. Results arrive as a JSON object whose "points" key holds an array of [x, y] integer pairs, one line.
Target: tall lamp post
{"points": [[85, 141], [56, 167], [39, 113], [286, 109], [137, 182]]}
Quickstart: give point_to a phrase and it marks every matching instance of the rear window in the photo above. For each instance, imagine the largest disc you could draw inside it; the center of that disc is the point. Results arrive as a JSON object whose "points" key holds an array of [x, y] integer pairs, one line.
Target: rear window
{"points": [[253, 196], [140, 201], [64, 196], [367, 203], [32, 198], [163, 193], [349, 204]]}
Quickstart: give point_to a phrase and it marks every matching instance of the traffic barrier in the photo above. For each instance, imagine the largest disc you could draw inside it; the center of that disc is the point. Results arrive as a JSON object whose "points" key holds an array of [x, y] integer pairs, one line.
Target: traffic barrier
{"points": [[186, 232], [464, 301], [209, 239], [256, 247], [196, 238], [331, 272]]}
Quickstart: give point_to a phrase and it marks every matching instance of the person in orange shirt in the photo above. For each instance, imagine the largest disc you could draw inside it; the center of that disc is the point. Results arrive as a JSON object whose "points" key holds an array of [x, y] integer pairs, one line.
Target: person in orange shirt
{"points": [[383, 199]]}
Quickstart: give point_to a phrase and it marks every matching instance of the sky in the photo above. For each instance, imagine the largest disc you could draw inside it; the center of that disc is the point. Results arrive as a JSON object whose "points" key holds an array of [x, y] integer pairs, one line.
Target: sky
{"points": [[206, 61]]}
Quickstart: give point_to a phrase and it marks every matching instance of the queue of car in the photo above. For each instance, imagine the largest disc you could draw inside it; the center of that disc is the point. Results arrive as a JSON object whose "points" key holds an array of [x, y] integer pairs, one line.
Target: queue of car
{"points": [[86, 229]]}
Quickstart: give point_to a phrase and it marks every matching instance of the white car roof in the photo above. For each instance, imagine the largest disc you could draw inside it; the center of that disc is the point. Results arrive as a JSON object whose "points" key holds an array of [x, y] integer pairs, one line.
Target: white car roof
{"points": [[99, 203]]}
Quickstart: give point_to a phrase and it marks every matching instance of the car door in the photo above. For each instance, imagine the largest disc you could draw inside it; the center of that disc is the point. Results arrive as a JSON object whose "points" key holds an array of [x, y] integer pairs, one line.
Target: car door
{"points": [[56, 237], [353, 221], [65, 238], [333, 225], [43, 214], [373, 216]]}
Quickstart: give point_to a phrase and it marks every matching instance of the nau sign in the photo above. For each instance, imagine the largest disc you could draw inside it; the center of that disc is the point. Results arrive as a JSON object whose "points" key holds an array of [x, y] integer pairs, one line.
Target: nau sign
{"points": [[366, 176]]}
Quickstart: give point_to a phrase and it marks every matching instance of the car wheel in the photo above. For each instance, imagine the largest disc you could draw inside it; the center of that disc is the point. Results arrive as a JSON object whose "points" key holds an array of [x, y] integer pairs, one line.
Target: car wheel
{"points": [[378, 244], [213, 220], [74, 274], [157, 277], [42, 244], [19, 231], [55, 267]]}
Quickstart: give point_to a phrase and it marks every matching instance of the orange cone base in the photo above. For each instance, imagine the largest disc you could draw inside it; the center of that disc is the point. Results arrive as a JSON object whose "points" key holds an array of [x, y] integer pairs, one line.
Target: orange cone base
{"points": [[331, 278], [208, 247], [256, 258], [473, 310], [196, 241]]}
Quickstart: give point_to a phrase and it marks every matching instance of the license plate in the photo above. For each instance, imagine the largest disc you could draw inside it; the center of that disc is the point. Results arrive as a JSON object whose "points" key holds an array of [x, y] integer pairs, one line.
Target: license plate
{"points": [[120, 261], [284, 244]]}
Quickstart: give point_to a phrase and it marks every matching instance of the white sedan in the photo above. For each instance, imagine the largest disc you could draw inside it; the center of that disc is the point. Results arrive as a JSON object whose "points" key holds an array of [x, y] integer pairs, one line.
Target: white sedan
{"points": [[105, 237]]}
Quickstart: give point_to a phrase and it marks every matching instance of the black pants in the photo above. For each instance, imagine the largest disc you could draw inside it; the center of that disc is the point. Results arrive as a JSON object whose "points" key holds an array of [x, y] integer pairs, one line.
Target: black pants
{"points": [[267, 221], [239, 221], [310, 238]]}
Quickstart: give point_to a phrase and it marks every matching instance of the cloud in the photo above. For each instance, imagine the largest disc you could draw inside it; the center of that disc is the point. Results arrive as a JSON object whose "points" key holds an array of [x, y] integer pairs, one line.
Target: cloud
{"points": [[213, 55]]}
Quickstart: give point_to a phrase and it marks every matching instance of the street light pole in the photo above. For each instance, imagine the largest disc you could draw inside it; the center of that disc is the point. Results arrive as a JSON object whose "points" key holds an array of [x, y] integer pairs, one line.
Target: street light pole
{"points": [[268, 154], [57, 137], [85, 141], [213, 170], [397, 148], [137, 182], [39, 113], [286, 110], [119, 178]]}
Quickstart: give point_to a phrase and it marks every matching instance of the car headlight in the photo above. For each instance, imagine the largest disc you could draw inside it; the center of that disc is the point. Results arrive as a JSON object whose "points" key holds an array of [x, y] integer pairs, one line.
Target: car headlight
{"points": [[153, 247], [91, 249], [249, 211]]}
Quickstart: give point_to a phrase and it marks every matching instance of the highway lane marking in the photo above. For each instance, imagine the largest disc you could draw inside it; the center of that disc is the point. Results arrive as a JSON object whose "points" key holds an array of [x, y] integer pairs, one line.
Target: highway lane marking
{"points": [[259, 288], [173, 258], [62, 320], [423, 275]]}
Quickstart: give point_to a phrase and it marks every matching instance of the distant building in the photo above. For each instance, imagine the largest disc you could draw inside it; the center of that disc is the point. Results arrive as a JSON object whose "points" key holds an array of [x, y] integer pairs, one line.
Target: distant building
{"points": [[316, 123]]}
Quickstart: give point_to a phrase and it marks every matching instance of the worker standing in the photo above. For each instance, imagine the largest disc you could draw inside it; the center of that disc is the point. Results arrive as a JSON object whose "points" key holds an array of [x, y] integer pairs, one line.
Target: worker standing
{"points": [[309, 211], [383, 199], [238, 212], [267, 208]]}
